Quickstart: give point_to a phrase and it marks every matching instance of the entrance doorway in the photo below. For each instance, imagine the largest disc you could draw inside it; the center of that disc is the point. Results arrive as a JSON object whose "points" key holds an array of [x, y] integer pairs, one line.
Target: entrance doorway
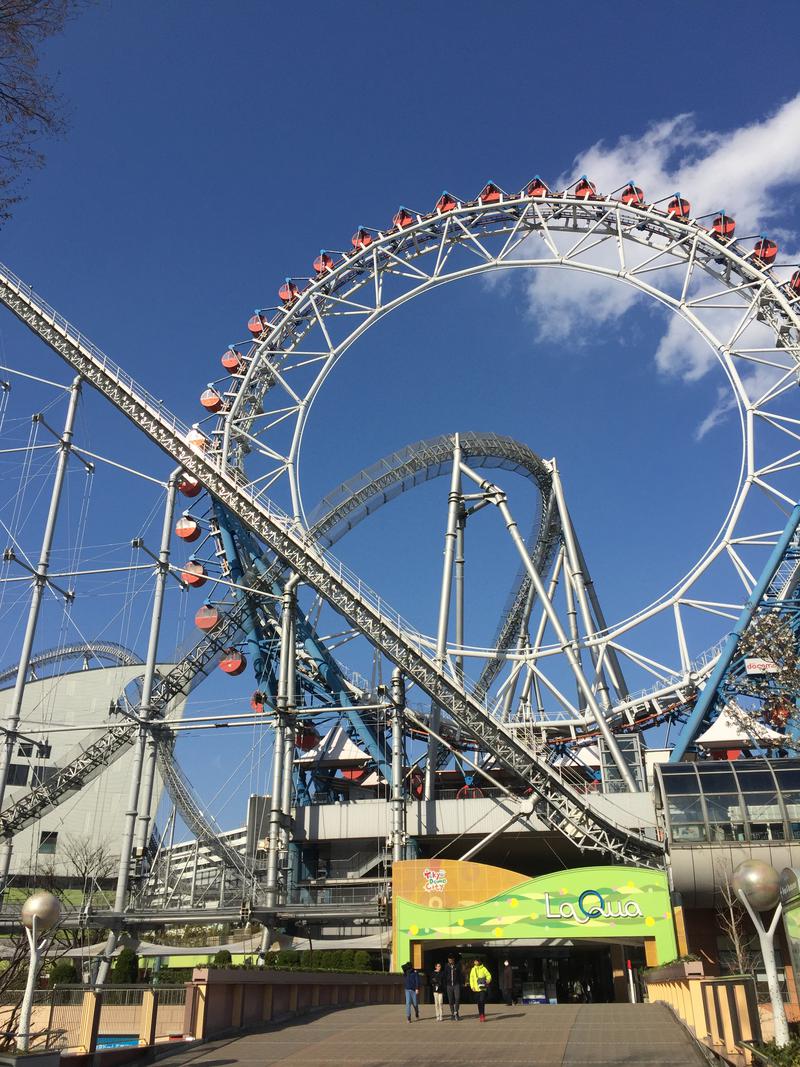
{"points": [[542, 974]]}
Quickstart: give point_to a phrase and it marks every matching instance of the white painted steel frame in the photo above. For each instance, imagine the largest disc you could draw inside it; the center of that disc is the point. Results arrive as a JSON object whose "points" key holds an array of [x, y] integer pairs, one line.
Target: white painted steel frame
{"points": [[307, 339]]}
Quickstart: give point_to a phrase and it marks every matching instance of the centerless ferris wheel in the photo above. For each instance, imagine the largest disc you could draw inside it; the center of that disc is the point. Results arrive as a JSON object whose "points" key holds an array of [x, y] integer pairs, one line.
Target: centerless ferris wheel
{"points": [[733, 292]]}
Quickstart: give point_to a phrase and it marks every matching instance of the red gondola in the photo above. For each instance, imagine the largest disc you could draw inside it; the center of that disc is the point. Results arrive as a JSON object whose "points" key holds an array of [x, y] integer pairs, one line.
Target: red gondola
{"points": [[232, 662], [207, 617], [353, 774], [288, 292], [257, 701], [723, 227], [585, 190], [307, 737], [632, 195], [794, 282], [230, 360], [211, 400], [361, 239], [490, 194], [417, 785], [403, 219], [537, 188], [765, 251], [194, 574], [257, 324], [187, 528], [678, 208], [323, 263], [188, 485]]}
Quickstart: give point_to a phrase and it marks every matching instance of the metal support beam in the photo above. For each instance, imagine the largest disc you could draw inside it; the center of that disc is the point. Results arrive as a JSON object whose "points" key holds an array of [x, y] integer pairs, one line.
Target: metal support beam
{"points": [[499, 499], [454, 505], [144, 736], [708, 696], [37, 592], [162, 573], [398, 748]]}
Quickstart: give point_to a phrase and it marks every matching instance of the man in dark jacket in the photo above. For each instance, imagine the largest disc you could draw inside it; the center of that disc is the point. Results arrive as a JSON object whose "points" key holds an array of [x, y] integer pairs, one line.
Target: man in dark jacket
{"points": [[412, 990], [452, 983]]}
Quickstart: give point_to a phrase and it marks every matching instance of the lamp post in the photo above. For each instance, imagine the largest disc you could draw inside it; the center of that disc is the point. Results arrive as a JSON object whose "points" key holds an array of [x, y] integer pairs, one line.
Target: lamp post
{"points": [[757, 885], [39, 915]]}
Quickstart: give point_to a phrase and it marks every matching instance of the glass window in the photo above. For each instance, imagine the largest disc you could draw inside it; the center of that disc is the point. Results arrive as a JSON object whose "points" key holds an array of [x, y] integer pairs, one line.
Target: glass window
{"points": [[25, 748], [766, 818], [18, 773], [42, 775], [788, 778], [754, 781], [726, 822], [48, 839], [685, 782], [686, 818], [713, 781], [792, 801]]}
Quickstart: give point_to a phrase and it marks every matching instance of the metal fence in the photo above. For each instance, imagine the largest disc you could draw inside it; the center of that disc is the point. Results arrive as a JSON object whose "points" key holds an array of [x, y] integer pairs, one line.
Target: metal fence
{"points": [[121, 1015]]}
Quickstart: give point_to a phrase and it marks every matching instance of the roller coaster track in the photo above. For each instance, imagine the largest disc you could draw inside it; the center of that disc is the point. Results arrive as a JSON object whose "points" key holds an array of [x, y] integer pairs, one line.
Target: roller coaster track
{"points": [[99, 650], [558, 804]]}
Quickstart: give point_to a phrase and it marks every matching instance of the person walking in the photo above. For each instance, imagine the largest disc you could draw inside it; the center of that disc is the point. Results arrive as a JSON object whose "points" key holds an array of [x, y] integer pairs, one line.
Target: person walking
{"points": [[479, 980], [437, 986], [507, 982], [412, 991], [452, 985]]}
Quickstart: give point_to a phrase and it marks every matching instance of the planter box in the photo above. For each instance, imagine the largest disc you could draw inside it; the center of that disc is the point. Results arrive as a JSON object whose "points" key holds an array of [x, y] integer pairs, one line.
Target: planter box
{"points": [[675, 972], [30, 1059]]}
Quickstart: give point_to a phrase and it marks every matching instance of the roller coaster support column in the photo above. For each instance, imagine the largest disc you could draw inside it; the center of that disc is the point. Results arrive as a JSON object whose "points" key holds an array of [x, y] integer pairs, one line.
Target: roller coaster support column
{"points": [[144, 735], [162, 572], [398, 694], [288, 610], [708, 696], [461, 529], [37, 592], [454, 505], [498, 498], [578, 580], [289, 731]]}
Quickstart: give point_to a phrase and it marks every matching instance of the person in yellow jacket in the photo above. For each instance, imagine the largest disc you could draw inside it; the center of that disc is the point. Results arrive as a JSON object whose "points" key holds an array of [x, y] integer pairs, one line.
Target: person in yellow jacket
{"points": [[479, 981]]}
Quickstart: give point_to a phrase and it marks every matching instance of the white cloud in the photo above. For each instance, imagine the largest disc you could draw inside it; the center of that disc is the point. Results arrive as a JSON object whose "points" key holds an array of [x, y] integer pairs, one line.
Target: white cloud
{"points": [[743, 171]]}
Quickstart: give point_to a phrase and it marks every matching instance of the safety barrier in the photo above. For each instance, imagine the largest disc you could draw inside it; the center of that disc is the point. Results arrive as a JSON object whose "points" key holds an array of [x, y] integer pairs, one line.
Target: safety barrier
{"points": [[721, 1012], [219, 1001], [84, 1020]]}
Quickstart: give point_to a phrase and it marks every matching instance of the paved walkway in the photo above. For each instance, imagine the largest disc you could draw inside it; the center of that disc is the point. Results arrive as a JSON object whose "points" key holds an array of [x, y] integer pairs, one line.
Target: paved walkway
{"points": [[569, 1035]]}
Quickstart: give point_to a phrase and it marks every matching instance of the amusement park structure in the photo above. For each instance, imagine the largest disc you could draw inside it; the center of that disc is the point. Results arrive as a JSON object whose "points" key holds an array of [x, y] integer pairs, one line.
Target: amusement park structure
{"points": [[516, 718]]}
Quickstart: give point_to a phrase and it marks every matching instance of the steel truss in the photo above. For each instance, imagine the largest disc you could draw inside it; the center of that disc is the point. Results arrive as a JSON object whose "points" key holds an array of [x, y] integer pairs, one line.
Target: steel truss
{"points": [[561, 806]]}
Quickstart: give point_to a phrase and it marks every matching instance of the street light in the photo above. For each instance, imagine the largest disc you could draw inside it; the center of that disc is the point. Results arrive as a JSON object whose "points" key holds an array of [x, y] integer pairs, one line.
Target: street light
{"points": [[757, 885], [39, 915]]}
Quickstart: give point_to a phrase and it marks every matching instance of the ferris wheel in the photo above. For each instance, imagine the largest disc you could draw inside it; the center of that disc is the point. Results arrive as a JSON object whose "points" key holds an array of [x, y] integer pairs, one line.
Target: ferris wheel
{"points": [[733, 291]]}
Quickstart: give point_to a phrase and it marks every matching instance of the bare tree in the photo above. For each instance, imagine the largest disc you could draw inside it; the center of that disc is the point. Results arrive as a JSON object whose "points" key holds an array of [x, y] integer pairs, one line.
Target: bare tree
{"points": [[735, 925], [30, 108], [89, 862]]}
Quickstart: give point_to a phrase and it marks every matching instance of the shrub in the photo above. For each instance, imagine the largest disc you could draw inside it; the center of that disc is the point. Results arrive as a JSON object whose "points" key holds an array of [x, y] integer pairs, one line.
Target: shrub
{"points": [[362, 960], [222, 959], [126, 968], [63, 972]]}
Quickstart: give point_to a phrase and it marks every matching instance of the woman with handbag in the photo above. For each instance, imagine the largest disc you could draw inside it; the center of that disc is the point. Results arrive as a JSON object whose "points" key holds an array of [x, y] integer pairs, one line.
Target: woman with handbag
{"points": [[479, 980]]}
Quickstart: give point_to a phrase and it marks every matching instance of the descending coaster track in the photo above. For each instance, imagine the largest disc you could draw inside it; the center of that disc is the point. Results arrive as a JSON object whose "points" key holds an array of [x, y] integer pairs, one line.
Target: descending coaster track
{"points": [[560, 805]]}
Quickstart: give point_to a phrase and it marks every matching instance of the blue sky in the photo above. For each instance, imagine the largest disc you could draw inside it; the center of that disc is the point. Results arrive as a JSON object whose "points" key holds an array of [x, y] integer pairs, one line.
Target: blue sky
{"points": [[214, 149]]}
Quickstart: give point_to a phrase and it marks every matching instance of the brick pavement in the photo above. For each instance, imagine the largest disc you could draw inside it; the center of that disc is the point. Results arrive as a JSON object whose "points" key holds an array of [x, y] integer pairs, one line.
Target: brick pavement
{"points": [[569, 1035]]}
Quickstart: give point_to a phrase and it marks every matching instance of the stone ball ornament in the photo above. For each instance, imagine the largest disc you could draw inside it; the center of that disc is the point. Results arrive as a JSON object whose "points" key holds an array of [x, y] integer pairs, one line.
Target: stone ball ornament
{"points": [[759, 882], [44, 907]]}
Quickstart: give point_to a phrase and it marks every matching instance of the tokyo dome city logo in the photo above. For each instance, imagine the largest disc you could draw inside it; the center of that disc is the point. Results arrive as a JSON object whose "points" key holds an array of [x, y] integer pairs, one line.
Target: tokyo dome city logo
{"points": [[435, 879], [591, 905]]}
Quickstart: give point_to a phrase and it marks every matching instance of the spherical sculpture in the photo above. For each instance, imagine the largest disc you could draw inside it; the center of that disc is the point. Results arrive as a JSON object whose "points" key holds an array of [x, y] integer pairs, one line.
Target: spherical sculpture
{"points": [[44, 907], [759, 882]]}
